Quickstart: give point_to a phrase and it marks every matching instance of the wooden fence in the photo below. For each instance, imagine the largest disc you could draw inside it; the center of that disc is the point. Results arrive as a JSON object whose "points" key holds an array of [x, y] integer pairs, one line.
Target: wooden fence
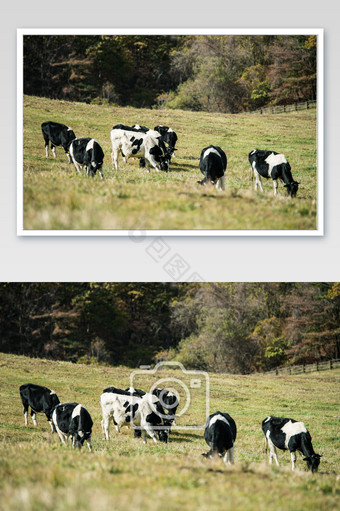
{"points": [[305, 368], [285, 108]]}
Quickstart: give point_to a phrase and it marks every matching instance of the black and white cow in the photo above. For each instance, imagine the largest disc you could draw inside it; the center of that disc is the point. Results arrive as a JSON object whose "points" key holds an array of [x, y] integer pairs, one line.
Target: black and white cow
{"points": [[220, 434], [87, 151], [73, 420], [142, 413], [39, 399], [137, 144], [169, 136], [213, 164], [291, 435], [270, 164], [59, 135]]}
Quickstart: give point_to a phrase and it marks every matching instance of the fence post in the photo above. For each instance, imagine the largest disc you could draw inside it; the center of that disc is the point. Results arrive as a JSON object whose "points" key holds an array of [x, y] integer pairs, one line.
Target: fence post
{"points": [[276, 371], [303, 368], [307, 104], [317, 366], [331, 364], [290, 370]]}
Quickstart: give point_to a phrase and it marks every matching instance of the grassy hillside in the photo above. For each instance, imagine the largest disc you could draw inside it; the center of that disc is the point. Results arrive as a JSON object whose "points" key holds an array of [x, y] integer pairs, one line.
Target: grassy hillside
{"points": [[38, 473], [55, 197]]}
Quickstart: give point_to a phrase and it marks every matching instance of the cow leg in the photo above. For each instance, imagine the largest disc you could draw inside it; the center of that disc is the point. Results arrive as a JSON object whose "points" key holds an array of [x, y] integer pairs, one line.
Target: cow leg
{"points": [[53, 150], [61, 436], [114, 158], [258, 180], [272, 453], [150, 432], [101, 174], [89, 444], [77, 166], [154, 163], [26, 413], [220, 184], [46, 148], [33, 415], [51, 424], [275, 183], [293, 458], [229, 456], [69, 157], [106, 426], [144, 436]]}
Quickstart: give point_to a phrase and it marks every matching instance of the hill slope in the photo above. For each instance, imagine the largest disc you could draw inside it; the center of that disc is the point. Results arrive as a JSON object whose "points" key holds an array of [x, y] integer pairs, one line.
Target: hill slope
{"points": [[55, 197], [38, 473]]}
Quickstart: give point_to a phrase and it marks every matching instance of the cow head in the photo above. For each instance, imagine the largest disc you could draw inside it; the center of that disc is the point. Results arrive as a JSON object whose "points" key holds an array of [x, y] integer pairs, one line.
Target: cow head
{"points": [[313, 462], [292, 188], [92, 169], [165, 162]]}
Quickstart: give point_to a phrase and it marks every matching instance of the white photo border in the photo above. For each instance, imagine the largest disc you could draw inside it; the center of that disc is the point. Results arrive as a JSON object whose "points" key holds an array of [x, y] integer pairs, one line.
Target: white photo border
{"points": [[319, 32]]}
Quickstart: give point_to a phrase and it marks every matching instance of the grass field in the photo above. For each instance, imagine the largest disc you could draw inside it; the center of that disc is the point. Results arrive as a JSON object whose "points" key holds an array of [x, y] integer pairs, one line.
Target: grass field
{"points": [[36, 472], [55, 197]]}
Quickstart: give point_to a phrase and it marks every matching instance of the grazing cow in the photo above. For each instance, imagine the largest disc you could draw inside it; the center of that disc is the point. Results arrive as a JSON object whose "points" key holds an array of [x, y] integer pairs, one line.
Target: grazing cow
{"points": [[213, 164], [59, 135], [134, 411], [220, 435], [87, 151], [270, 164], [169, 136], [73, 420], [40, 399], [288, 434], [139, 145]]}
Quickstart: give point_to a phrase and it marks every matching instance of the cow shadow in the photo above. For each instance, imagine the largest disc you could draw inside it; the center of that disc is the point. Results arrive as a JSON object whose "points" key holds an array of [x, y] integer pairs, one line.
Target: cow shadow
{"points": [[180, 436], [180, 167]]}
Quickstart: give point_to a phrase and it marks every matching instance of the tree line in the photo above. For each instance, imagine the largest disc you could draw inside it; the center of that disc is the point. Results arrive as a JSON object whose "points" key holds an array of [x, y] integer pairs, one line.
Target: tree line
{"points": [[216, 73], [220, 327]]}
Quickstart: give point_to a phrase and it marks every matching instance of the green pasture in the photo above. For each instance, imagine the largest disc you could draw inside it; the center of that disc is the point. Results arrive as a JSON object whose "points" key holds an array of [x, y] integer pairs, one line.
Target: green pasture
{"points": [[55, 197], [37, 472]]}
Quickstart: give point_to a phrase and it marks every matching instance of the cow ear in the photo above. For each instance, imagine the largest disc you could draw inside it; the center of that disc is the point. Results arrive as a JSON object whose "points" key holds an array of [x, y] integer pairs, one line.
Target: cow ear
{"points": [[306, 459]]}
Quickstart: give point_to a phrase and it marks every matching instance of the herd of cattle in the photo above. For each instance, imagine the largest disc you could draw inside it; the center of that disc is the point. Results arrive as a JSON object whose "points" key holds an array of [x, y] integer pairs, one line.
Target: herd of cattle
{"points": [[156, 147], [154, 414]]}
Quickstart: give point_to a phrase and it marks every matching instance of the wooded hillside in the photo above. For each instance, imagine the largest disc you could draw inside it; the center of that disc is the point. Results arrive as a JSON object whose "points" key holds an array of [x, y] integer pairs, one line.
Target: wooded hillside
{"points": [[220, 327], [218, 73]]}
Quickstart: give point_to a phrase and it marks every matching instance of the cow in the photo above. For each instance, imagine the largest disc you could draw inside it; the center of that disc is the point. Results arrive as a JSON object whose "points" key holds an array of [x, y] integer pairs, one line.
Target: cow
{"points": [[144, 413], [220, 434], [213, 164], [39, 399], [59, 135], [169, 136], [291, 435], [139, 145], [269, 164], [87, 151], [73, 420]]}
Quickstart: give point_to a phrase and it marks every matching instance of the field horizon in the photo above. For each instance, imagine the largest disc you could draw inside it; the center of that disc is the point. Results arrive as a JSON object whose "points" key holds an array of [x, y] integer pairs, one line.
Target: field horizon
{"points": [[56, 198], [37, 471]]}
